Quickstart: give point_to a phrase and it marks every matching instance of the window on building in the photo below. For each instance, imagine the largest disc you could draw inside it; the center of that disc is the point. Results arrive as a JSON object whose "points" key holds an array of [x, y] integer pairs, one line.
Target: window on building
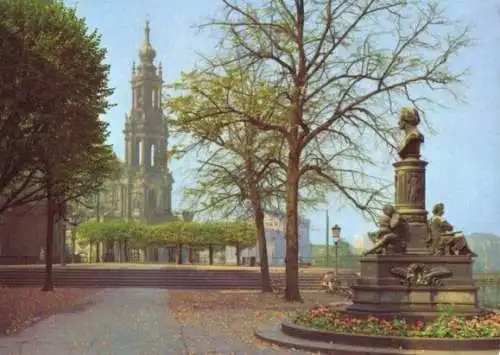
{"points": [[153, 201], [140, 100], [153, 154], [141, 152], [122, 200], [136, 153], [114, 196]]}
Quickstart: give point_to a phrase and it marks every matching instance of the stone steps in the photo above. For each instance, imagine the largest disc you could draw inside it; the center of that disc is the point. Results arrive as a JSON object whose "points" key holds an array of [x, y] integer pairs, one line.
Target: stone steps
{"points": [[167, 278]]}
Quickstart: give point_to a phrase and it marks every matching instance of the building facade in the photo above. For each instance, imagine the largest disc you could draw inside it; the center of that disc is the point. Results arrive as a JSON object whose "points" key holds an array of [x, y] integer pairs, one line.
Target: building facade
{"points": [[22, 234], [275, 225], [144, 192]]}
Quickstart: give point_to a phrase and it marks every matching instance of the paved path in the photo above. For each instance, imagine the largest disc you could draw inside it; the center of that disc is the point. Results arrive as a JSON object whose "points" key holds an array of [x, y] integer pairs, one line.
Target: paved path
{"points": [[129, 321]]}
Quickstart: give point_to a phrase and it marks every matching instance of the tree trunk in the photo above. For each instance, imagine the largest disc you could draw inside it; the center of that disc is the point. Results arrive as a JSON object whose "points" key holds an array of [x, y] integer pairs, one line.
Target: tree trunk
{"points": [[238, 254], [97, 252], [125, 250], [61, 233], [109, 251], [292, 292], [98, 219], [73, 244], [48, 284], [265, 279], [179, 254], [190, 254], [211, 254]]}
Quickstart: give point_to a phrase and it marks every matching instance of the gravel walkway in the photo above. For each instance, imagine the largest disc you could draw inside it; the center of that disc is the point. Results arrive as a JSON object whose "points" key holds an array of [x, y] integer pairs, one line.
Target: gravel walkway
{"points": [[127, 321]]}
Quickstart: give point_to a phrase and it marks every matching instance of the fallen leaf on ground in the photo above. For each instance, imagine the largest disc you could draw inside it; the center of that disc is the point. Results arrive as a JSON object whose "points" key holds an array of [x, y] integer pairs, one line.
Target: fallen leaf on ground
{"points": [[238, 314], [20, 307]]}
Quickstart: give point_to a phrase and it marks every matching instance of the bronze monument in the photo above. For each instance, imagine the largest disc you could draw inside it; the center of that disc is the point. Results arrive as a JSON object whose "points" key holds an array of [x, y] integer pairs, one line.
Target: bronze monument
{"points": [[442, 240], [408, 123], [410, 181], [392, 236], [415, 264]]}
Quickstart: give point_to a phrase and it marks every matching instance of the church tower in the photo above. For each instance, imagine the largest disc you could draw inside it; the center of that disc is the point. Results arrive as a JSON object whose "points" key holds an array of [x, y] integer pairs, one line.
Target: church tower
{"points": [[149, 181]]}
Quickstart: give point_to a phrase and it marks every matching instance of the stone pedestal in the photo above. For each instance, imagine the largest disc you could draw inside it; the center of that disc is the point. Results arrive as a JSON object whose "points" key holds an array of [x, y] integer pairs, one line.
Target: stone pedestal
{"points": [[410, 200], [379, 292]]}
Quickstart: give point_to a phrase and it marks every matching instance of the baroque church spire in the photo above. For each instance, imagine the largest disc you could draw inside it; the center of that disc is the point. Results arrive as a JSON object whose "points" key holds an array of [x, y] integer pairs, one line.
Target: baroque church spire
{"points": [[149, 183], [147, 53]]}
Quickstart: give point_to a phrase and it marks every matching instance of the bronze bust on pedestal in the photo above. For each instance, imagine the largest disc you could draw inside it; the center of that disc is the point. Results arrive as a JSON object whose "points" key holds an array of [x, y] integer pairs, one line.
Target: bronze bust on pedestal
{"points": [[408, 123]]}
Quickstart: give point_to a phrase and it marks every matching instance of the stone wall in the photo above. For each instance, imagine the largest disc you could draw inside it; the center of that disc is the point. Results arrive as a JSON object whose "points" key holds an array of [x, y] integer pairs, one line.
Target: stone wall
{"points": [[22, 233]]}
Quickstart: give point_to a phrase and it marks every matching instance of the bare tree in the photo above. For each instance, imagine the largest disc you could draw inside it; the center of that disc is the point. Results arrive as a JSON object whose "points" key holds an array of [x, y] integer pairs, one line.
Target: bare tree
{"points": [[343, 69], [237, 173]]}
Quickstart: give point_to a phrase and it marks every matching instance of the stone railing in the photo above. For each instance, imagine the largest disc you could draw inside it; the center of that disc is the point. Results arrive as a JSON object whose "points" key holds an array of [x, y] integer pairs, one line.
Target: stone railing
{"points": [[489, 291]]}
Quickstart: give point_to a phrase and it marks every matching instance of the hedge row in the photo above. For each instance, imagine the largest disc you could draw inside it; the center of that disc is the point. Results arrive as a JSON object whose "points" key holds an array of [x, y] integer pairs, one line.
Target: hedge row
{"points": [[176, 232]]}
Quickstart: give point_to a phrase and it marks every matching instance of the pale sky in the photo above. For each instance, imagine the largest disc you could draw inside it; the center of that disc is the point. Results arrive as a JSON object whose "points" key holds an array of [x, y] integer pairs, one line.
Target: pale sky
{"points": [[464, 158]]}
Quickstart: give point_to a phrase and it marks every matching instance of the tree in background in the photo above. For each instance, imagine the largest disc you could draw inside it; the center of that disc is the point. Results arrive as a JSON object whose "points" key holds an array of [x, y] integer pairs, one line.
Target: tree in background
{"points": [[71, 157], [28, 93], [236, 174], [238, 171], [342, 69], [232, 180], [348, 259], [138, 235]]}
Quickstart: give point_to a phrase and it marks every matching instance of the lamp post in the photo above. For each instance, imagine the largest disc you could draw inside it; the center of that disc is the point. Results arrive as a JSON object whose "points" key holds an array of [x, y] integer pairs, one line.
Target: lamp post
{"points": [[336, 238], [327, 240]]}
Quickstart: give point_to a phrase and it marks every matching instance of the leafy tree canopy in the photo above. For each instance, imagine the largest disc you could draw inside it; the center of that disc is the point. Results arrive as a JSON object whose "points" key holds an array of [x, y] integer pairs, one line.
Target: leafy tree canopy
{"points": [[176, 232], [54, 87]]}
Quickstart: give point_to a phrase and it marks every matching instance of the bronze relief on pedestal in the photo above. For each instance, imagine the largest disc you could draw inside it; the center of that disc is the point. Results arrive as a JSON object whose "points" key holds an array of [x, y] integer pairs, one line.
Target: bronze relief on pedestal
{"points": [[415, 218], [414, 188], [400, 187], [421, 275]]}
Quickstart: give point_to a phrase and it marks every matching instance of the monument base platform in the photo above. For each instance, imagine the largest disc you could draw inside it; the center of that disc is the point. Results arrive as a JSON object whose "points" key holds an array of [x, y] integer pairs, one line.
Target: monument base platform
{"points": [[404, 309], [414, 286]]}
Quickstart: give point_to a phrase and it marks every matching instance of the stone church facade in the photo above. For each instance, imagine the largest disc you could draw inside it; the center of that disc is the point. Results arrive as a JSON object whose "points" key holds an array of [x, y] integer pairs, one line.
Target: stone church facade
{"points": [[143, 193], [145, 190]]}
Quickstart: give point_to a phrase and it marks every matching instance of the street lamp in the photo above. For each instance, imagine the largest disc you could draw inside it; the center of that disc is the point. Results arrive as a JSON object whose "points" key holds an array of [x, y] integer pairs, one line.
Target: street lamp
{"points": [[327, 240], [336, 238]]}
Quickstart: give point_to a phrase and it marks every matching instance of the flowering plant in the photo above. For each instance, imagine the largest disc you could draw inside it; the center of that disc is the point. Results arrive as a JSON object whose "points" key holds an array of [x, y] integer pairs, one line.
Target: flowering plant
{"points": [[445, 326]]}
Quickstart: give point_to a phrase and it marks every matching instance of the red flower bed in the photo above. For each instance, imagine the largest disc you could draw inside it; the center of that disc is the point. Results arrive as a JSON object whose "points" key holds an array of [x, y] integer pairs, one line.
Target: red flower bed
{"points": [[446, 326]]}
